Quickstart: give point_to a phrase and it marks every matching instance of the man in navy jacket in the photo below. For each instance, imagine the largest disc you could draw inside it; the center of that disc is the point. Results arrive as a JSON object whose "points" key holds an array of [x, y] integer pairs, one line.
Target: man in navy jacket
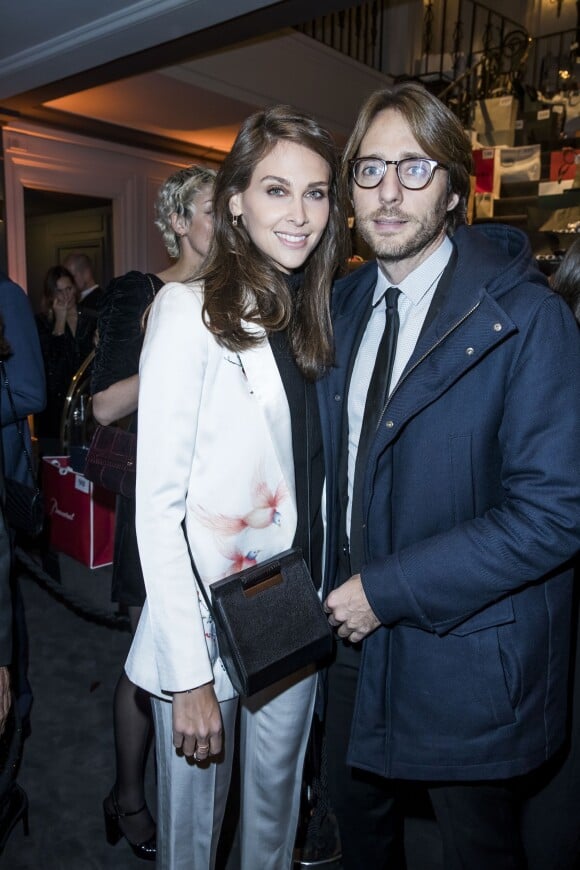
{"points": [[455, 514], [25, 372]]}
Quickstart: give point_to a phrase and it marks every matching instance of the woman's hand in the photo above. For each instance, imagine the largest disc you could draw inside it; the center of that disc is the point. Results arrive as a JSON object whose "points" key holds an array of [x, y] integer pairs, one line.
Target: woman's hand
{"points": [[64, 307], [197, 723]]}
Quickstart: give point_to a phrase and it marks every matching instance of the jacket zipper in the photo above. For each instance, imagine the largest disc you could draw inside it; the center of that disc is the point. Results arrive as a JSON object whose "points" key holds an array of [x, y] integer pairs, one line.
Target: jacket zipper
{"points": [[387, 765], [423, 357]]}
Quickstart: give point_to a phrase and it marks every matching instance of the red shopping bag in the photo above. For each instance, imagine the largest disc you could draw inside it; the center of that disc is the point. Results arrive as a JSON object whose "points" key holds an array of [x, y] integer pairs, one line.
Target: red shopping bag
{"points": [[80, 515], [486, 175], [564, 164]]}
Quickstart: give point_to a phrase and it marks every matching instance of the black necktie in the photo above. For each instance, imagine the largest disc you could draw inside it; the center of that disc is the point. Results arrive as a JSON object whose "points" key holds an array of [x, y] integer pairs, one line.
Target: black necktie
{"points": [[375, 402]]}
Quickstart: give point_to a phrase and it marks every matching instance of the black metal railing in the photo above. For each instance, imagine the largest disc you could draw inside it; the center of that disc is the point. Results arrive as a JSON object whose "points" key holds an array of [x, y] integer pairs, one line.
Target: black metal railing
{"points": [[468, 51], [554, 61], [475, 32], [356, 32], [359, 33], [488, 56]]}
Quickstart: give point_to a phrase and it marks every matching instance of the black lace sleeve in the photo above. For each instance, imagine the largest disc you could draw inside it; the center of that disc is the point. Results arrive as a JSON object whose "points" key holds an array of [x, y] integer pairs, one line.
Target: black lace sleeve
{"points": [[120, 330]]}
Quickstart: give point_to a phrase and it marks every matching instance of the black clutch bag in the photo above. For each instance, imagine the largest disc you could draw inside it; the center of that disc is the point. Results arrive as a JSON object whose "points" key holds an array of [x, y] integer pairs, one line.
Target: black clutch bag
{"points": [[269, 621], [24, 507]]}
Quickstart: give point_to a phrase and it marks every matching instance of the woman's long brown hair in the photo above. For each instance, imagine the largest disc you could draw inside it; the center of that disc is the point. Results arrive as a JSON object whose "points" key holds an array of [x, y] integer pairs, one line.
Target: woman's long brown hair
{"points": [[241, 283]]}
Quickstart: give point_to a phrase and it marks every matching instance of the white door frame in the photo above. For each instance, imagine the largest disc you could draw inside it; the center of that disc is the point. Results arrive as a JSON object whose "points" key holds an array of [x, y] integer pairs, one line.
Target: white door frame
{"points": [[43, 158]]}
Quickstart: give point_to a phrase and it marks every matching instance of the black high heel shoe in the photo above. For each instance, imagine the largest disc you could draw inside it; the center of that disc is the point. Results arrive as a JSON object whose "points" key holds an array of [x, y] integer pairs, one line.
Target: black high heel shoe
{"points": [[146, 850], [14, 807]]}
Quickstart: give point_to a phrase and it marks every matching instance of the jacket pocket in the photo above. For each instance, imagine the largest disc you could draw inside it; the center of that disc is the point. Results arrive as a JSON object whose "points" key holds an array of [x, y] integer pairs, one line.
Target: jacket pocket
{"points": [[493, 682], [447, 685], [500, 613], [490, 679]]}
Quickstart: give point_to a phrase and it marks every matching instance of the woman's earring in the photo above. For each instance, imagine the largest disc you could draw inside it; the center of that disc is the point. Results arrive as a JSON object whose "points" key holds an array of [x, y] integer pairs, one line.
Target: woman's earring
{"points": [[234, 220]]}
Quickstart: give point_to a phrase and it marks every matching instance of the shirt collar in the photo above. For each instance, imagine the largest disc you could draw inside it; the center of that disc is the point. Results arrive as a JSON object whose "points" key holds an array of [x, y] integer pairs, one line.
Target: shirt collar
{"points": [[86, 292], [421, 280]]}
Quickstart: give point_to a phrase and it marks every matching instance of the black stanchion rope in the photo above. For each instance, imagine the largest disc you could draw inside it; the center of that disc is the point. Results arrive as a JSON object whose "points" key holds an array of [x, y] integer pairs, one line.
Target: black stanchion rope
{"points": [[77, 605]]}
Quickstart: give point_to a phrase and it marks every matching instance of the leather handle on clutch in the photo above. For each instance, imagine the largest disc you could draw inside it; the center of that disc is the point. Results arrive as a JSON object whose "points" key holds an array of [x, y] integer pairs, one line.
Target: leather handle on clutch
{"points": [[258, 584]]}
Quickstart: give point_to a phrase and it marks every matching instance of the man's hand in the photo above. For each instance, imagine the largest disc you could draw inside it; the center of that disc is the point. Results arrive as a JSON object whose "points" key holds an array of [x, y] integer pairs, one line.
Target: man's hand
{"points": [[197, 723], [349, 611], [5, 697]]}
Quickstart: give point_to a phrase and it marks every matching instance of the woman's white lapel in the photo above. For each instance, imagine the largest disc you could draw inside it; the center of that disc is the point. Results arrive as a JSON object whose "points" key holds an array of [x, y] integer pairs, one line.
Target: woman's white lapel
{"points": [[265, 384]]}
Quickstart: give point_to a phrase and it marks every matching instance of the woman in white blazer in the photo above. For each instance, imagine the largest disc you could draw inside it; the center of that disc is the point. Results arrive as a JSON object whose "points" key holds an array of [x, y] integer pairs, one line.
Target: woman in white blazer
{"points": [[183, 214], [230, 443]]}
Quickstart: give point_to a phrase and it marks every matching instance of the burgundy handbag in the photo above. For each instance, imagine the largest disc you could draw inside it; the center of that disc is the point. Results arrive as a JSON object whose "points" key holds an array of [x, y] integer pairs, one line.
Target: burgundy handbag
{"points": [[111, 460]]}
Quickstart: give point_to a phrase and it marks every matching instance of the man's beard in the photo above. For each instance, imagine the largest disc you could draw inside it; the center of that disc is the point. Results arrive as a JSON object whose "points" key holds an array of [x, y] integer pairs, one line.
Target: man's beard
{"points": [[390, 248]]}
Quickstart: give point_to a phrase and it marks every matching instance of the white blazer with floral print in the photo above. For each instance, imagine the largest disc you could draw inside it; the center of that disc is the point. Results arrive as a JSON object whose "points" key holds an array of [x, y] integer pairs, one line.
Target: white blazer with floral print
{"points": [[214, 449]]}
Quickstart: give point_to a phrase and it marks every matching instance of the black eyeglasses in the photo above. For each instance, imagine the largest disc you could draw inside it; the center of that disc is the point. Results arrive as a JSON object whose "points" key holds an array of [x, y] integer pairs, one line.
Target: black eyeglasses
{"points": [[414, 173]]}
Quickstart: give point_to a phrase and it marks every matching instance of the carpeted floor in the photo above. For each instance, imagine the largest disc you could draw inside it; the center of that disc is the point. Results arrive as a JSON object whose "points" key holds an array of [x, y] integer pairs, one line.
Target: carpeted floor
{"points": [[67, 765]]}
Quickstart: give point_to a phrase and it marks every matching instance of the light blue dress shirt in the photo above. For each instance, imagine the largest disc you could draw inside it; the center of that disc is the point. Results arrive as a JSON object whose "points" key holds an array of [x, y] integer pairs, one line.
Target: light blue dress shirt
{"points": [[417, 291]]}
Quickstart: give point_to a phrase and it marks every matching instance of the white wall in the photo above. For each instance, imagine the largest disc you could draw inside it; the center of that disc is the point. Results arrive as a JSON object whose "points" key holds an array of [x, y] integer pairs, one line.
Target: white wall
{"points": [[49, 159]]}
